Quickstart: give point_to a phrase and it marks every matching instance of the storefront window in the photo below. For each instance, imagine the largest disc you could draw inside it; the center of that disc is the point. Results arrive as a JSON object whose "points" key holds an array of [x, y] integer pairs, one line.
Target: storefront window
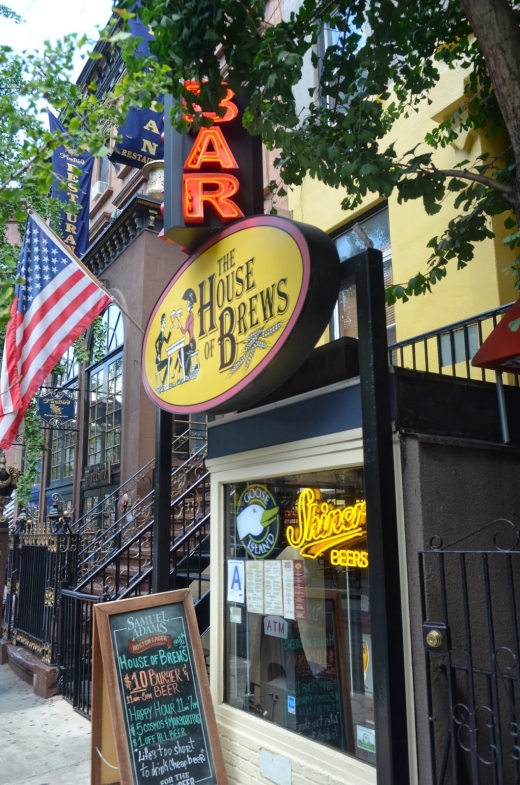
{"points": [[374, 232], [63, 440], [99, 516], [63, 452], [297, 616], [105, 400]]}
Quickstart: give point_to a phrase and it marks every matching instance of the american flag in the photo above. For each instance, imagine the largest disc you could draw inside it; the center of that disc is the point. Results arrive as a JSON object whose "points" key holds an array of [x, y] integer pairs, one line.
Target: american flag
{"points": [[57, 302]]}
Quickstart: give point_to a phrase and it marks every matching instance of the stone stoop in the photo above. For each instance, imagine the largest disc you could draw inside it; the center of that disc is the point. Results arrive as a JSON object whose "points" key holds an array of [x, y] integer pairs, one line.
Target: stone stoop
{"points": [[43, 678]]}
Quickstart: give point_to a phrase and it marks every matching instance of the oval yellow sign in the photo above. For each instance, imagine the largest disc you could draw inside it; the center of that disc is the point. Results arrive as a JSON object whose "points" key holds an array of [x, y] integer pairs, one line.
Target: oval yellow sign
{"points": [[228, 313]]}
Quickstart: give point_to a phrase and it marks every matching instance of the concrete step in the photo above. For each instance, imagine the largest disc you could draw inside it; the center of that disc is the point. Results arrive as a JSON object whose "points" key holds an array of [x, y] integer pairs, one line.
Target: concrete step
{"points": [[41, 677]]}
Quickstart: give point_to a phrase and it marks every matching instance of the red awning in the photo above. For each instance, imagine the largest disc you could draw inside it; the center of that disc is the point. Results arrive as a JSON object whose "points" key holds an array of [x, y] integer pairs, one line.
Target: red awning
{"points": [[501, 349]]}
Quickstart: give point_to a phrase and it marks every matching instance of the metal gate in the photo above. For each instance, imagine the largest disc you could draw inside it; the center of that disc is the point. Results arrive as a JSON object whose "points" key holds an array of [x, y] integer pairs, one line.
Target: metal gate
{"points": [[470, 597], [75, 648]]}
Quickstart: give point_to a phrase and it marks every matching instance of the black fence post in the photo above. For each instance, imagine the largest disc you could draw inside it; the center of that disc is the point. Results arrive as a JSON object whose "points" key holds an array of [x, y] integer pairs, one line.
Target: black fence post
{"points": [[162, 501], [382, 533]]}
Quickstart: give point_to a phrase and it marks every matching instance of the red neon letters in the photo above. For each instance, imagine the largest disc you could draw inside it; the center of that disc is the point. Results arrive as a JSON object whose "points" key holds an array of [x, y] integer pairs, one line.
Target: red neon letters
{"points": [[210, 148], [226, 103], [201, 151], [216, 189]]}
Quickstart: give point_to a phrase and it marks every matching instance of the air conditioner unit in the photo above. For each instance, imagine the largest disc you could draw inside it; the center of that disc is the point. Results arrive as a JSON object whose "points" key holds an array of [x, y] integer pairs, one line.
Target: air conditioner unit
{"points": [[98, 189]]}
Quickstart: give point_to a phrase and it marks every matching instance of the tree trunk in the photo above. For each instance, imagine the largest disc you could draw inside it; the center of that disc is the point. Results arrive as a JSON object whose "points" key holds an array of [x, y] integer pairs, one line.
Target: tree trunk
{"points": [[497, 30]]}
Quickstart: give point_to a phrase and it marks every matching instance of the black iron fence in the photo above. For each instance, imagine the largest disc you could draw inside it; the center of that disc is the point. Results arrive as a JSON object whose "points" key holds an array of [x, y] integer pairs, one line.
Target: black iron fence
{"points": [[450, 349], [75, 648], [470, 594], [93, 563], [126, 571], [38, 563]]}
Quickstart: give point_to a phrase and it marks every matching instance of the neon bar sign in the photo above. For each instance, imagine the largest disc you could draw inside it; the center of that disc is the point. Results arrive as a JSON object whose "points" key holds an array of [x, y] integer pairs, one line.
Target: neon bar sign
{"points": [[201, 187], [322, 525]]}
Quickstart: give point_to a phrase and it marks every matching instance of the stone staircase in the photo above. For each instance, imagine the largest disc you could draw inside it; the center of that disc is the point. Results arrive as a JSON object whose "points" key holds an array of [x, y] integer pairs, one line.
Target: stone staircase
{"points": [[117, 563]]}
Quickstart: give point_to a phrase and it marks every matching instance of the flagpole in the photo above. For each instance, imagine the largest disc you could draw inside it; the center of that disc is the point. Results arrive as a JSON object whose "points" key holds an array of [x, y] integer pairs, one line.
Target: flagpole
{"points": [[30, 211]]}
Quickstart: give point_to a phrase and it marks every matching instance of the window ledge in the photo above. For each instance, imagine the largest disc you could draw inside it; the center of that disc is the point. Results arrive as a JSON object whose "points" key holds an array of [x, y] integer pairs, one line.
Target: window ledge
{"points": [[254, 733], [95, 207], [125, 169]]}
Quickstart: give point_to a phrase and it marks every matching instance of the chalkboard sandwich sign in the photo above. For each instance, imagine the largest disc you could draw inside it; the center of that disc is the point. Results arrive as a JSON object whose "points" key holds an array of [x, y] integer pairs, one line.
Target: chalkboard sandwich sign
{"points": [[152, 716]]}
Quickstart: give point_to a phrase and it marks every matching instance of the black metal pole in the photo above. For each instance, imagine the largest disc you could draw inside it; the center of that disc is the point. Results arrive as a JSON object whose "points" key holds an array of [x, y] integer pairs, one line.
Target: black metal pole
{"points": [[382, 534], [162, 500]]}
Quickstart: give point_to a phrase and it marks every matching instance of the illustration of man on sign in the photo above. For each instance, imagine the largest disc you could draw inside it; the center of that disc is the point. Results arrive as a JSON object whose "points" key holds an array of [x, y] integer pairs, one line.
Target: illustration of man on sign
{"points": [[187, 358], [162, 339]]}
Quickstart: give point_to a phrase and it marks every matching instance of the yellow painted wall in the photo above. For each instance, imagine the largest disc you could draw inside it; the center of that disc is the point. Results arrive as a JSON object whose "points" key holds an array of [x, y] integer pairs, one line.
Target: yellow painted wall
{"points": [[479, 287]]}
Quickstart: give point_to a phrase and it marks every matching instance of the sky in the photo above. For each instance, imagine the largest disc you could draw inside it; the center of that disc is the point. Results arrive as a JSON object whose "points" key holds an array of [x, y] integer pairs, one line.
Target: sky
{"points": [[50, 20]]}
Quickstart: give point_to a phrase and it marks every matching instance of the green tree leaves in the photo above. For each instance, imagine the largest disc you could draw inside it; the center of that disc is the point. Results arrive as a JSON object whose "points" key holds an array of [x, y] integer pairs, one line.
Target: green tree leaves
{"points": [[376, 63], [31, 83]]}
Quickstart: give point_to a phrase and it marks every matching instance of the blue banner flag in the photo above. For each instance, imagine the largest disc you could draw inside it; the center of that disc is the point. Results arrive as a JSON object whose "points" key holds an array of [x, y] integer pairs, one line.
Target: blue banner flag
{"points": [[142, 130], [72, 188], [140, 31], [142, 138]]}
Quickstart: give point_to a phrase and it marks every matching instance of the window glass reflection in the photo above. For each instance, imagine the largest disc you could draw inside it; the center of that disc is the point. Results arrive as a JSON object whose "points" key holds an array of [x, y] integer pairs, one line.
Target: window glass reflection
{"points": [[298, 642]]}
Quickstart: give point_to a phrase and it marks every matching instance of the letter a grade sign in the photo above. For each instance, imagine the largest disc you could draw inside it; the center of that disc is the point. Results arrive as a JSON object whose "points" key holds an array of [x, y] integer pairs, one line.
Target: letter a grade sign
{"points": [[240, 316]]}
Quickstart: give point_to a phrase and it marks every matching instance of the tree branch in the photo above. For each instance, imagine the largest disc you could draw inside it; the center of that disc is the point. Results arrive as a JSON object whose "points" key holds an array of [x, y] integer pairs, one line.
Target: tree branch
{"points": [[503, 188], [15, 175]]}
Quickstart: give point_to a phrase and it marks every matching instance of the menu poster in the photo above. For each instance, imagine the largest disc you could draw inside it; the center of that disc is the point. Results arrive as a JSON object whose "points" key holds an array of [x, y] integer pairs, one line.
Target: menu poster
{"points": [[300, 595], [317, 672], [255, 586], [288, 588], [273, 594], [164, 726]]}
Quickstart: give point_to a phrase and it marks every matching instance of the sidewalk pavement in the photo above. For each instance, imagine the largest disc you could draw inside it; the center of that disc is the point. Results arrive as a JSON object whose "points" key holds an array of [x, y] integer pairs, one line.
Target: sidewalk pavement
{"points": [[42, 742]]}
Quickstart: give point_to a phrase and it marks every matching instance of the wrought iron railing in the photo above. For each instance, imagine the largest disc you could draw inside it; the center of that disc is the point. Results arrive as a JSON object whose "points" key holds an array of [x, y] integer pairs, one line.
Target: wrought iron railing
{"points": [[126, 564], [75, 648], [450, 349], [127, 572], [121, 566], [128, 494], [190, 567], [87, 524], [77, 610], [189, 555], [98, 547]]}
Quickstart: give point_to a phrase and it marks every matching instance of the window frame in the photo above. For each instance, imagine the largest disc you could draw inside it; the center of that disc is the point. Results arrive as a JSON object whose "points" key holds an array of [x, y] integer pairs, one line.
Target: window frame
{"points": [[104, 364], [67, 382], [114, 350], [334, 324], [103, 170], [343, 449], [324, 42]]}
